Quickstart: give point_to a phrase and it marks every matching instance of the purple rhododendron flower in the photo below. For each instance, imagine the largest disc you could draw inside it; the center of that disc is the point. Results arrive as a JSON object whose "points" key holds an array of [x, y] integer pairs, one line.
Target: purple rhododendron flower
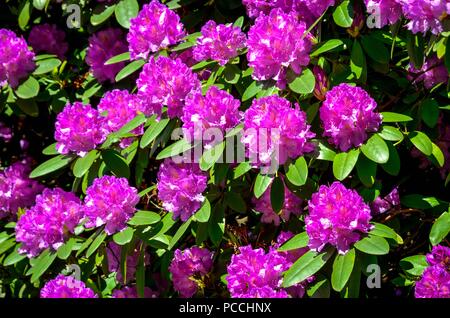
{"points": [[17, 190], [119, 107], [166, 82], [16, 60], [348, 114], [47, 224], [384, 12], [276, 44], [425, 15], [131, 292], [102, 46], [337, 216], [273, 128], [66, 287], [440, 255], [155, 27], [79, 128], [6, 132], [114, 252], [322, 84], [292, 205], [180, 188], [433, 72], [381, 205], [188, 267], [220, 42], [217, 109], [110, 201], [435, 283], [255, 274], [48, 38]]}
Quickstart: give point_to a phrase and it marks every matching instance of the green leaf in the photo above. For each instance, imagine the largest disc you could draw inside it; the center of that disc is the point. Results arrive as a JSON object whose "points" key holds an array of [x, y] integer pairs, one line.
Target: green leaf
{"points": [[373, 245], [440, 228], [303, 84], [385, 231], [129, 69], [46, 66], [376, 149], [344, 163], [131, 125], [343, 14], [153, 131], [418, 201], [174, 149], [180, 232], [43, 262], [65, 250], [306, 266], [391, 133], [125, 10], [241, 169], [124, 237], [13, 258], [438, 155], [421, 142], [430, 112], [277, 194], [40, 4], [251, 90], [6, 245], [118, 58], [140, 273], [327, 46], [203, 214], [414, 265], [116, 163], [144, 218], [211, 156], [367, 171], [447, 56], [320, 288], [389, 117], [358, 63], [415, 47], [239, 22], [393, 165], [262, 182], [297, 172], [231, 74], [28, 106], [342, 269], [83, 164], [216, 224], [235, 202], [325, 153], [24, 14], [375, 49], [99, 18], [50, 150], [28, 89], [96, 244], [51, 165], [298, 241]]}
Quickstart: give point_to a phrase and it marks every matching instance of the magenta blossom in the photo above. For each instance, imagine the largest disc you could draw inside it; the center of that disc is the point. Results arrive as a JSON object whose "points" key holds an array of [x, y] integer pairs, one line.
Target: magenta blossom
{"points": [[180, 188], [348, 114], [66, 287], [114, 252], [48, 38], [102, 46], [219, 42], [434, 283], [131, 292], [110, 201], [188, 267], [337, 216], [433, 72], [425, 15], [384, 12], [155, 27]]}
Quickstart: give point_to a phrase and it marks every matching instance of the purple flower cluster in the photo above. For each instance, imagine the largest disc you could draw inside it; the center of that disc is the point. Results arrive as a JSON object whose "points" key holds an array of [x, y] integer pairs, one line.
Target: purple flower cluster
{"points": [[131, 292], [348, 114], [16, 60], [273, 128], [435, 280], [113, 253], [47, 224], [381, 205], [17, 190], [66, 287], [155, 27], [217, 109], [385, 12], [180, 188], [276, 43], [337, 216], [110, 201], [102, 46], [220, 42], [292, 205], [188, 267], [119, 107], [79, 128], [425, 15], [48, 38], [166, 82], [433, 72], [255, 274]]}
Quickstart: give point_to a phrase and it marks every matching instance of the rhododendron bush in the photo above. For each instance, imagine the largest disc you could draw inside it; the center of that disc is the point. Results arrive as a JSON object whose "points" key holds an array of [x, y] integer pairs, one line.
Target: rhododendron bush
{"points": [[226, 148]]}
